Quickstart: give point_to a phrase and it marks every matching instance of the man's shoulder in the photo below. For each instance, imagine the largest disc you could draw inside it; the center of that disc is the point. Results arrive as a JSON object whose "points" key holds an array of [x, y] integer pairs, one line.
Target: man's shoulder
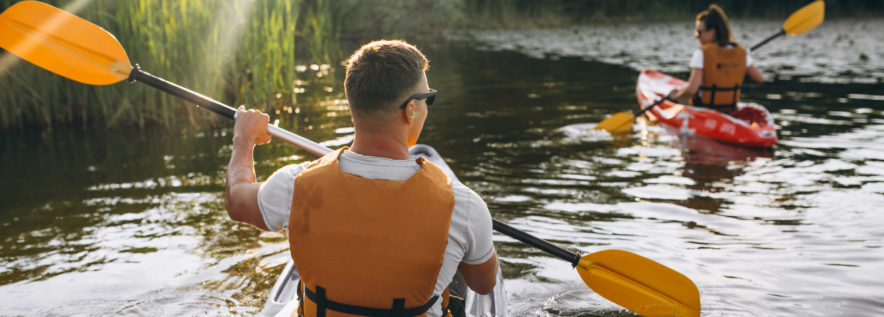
{"points": [[466, 196], [295, 169], [460, 188]]}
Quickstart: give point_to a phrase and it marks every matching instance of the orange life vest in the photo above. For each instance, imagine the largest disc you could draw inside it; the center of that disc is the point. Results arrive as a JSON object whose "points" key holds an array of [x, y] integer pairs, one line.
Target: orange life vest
{"points": [[369, 246], [723, 72]]}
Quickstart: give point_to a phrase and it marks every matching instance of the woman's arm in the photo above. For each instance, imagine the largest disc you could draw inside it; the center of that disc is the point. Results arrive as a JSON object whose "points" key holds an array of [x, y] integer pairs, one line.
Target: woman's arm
{"points": [[754, 74], [685, 94]]}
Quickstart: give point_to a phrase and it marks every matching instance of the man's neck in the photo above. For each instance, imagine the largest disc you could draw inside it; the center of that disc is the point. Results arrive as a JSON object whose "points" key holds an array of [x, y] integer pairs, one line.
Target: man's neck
{"points": [[380, 145]]}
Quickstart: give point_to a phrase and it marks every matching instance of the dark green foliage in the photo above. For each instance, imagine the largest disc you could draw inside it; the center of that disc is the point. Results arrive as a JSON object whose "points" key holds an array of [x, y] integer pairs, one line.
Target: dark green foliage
{"points": [[245, 52], [242, 52]]}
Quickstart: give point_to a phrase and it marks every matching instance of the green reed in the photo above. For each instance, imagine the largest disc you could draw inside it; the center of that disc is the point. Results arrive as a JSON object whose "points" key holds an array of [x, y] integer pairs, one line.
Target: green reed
{"points": [[239, 51]]}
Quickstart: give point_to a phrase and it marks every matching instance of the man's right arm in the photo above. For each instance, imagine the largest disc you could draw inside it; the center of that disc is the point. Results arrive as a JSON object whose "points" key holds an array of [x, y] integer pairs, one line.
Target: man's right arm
{"points": [[480, 277]]}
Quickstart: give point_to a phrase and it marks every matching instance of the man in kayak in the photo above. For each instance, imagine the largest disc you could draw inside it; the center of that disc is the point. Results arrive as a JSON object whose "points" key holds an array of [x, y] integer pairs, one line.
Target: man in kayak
{"points": [[718, 67], [371, 231]]}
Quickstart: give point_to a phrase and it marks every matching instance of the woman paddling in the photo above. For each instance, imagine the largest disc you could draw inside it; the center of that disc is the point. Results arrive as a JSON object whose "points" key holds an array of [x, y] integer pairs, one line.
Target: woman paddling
{"points": [[718, 67]]}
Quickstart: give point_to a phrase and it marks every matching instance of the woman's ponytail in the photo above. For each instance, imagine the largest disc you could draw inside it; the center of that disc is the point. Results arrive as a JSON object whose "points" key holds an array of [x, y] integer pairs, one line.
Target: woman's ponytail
{"points": [[714, 18]]}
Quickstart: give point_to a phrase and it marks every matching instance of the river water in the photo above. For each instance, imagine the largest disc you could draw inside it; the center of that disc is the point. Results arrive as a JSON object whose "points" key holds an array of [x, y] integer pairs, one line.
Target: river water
{"points": [[132, 222]]}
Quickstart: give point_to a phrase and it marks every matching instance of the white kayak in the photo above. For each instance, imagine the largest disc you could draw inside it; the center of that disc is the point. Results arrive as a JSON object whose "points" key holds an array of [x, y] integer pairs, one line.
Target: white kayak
{"points": [[283, 301]]}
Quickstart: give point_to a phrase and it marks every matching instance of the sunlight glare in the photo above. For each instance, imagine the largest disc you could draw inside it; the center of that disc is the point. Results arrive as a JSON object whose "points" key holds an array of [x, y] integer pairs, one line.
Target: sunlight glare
{"points": [[233, 17]]}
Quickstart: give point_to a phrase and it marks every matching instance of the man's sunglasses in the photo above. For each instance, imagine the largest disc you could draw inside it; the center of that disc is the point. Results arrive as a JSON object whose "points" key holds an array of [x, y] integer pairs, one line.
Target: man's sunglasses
{"points": [[430, 96]]}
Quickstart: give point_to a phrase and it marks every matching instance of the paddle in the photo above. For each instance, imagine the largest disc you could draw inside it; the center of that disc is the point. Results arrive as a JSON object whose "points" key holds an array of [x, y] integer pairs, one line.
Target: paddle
{"points": [[803, 20], [622, 121], [77, 49]]}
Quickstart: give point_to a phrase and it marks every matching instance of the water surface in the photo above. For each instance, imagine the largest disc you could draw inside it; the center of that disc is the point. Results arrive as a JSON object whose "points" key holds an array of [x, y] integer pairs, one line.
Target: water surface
{"points": [[132, 222]]}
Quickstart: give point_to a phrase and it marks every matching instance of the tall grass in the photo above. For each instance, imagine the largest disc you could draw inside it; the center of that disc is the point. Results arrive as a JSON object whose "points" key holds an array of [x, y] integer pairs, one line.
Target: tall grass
{"points": [[240, 51]]}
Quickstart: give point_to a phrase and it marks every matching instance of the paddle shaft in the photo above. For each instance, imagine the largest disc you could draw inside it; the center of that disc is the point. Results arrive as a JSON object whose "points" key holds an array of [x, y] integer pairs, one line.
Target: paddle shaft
{"points": [[210, 104], [768, 39], [536, 242], [643, 110]]}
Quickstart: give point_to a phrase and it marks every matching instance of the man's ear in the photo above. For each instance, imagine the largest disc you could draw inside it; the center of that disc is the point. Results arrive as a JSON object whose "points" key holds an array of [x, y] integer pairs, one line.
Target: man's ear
{"points": [[409, 112]]}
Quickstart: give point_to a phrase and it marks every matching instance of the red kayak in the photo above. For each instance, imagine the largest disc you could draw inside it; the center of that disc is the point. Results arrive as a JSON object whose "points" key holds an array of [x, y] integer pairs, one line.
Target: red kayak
{"points": [[750, 125]]}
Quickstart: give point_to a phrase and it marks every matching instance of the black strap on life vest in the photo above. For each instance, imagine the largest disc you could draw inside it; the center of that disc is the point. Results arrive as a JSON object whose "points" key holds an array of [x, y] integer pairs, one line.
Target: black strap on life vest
{"points": [[728, 107], [398, 310]]}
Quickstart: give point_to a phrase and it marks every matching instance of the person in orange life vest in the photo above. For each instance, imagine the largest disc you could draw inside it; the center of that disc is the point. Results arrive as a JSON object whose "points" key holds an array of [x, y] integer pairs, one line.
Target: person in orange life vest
{"points": [[718, 67], [406, 225]]}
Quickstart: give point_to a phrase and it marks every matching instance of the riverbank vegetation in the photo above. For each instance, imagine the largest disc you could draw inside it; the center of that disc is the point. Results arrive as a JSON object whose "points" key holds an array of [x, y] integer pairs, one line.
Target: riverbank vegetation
{"points": [[282, 55], [241, 52]]}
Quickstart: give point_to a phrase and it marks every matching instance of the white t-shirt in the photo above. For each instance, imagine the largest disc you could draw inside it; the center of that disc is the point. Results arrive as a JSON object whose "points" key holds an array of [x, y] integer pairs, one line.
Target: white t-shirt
{"points": [[469, 235], [697, 58]]}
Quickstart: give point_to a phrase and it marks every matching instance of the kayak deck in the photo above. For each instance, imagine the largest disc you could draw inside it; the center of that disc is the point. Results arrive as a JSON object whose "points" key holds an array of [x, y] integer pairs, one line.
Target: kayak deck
{"points": [[751, 125], [283, 301]]}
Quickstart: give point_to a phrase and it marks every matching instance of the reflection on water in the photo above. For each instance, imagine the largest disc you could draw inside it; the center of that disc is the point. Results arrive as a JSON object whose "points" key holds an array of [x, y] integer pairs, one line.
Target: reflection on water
{"points": [[133, 223]]}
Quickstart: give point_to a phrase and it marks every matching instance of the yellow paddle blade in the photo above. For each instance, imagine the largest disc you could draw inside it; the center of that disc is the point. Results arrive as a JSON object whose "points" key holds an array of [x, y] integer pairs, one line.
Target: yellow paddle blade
{"points": [[63, 43], [619, 122], [639, 284], [805, 18]]}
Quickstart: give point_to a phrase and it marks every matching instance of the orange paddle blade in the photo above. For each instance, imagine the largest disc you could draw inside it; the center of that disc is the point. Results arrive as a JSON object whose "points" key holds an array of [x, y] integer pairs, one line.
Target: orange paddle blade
{"points": [[639, 284], [805, 18], [63, 43], [618, 122]]}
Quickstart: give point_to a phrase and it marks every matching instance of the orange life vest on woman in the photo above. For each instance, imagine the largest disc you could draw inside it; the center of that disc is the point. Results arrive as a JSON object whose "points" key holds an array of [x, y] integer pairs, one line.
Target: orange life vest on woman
{"points": [[369, 246], [724, 69]]}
